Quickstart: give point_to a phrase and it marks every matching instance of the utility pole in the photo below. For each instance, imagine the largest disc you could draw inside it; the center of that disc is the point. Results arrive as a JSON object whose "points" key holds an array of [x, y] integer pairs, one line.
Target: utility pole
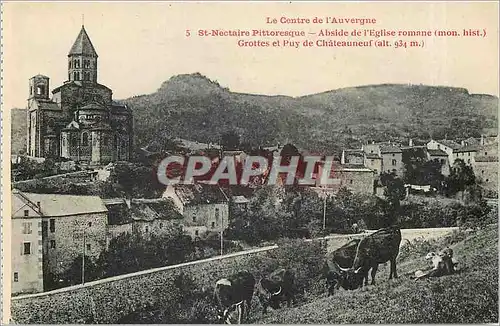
{"points": [[83, 258], [221, 235], [324, 211]]}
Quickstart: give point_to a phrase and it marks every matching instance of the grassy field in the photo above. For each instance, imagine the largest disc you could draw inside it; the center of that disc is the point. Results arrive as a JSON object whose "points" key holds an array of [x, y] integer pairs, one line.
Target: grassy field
{"points": [[470, 296]]}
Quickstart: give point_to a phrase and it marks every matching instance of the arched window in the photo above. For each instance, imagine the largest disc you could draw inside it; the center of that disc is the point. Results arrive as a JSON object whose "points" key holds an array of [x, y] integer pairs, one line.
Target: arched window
{"points": [[85, 139], [73, 140], [40, 90]]}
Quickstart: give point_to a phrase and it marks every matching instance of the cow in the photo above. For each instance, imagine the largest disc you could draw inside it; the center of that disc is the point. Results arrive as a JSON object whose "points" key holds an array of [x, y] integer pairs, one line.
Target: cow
{"points": [[376, 248], [276, 288], [234, 297], [336, 265]]}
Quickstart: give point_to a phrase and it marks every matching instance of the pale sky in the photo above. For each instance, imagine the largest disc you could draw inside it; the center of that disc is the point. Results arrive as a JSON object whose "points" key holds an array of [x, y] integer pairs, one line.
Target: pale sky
{"points": [[140, 45]]}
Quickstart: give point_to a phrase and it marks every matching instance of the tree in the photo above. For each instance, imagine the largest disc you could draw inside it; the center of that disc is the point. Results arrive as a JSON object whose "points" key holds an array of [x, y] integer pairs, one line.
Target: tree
{"points": [[230, 140], [461, 177], [394, 192]]}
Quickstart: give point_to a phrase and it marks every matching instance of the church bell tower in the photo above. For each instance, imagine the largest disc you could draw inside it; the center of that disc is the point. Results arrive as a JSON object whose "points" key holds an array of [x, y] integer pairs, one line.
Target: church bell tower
{"points": [[82, 60]]}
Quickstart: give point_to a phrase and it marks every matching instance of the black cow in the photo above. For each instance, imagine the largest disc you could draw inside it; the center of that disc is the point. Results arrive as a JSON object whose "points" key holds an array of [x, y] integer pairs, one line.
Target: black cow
{"points": [[278, 287], [234, 297], [377, 248], [336, 265]]}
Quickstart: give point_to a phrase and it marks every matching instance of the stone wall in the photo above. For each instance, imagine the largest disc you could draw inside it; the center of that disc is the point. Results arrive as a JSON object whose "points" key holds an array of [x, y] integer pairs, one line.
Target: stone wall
{"points": [[106, 301]]}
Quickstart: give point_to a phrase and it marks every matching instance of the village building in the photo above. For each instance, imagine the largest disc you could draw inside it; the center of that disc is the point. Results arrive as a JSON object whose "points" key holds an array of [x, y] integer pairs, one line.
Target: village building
{"points": [[240, 202], [26, 245], [70, 226], [442, 157], [352, 156], [81, 121], [448, 146], [485, 166], [205, 207]]}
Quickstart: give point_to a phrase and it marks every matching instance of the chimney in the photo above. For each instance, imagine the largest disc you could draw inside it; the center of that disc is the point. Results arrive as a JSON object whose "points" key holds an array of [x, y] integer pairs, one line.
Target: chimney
{"points": [[38, 205], [410, 143]]}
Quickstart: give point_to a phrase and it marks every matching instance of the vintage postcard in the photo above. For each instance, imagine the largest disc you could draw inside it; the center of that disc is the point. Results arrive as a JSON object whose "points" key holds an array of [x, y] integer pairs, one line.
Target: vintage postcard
{"points": [[250, 162]]}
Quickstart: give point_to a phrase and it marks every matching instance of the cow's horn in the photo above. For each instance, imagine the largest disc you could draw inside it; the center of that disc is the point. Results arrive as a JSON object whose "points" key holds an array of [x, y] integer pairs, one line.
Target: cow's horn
{"points": [[344, 269], [357, 271], [278, 292]]}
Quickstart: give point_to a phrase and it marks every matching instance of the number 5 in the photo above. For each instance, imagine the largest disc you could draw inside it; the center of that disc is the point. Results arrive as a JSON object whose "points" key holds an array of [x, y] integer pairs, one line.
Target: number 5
{"points": [[188, 33]]}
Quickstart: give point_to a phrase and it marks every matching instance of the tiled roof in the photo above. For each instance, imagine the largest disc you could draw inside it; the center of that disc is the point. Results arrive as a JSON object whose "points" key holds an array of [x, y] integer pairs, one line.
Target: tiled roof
{"points": [[436, 152], [163, 209], [449, 143], [389, 149], [240, 200], [64, 205], [470, 148], [83, 45], [373, 156], [200, 193], [48, 105]]}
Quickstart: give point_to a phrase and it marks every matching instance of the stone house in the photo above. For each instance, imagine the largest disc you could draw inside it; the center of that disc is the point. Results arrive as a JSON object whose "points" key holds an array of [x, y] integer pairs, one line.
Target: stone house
{"points": [[205, 207], [447, 146], [352, 156], [485, 166], [383, 157], [69, 227], [26, 245], [442, 157]]}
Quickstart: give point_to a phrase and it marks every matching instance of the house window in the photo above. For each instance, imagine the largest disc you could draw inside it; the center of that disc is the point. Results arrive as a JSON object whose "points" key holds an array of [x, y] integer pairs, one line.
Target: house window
{"points": [[371, 160], [90, 224], [194, 218], [86, 63], [26, 248], [146, 229], [86, 76], [77, 63], [16, 277], [52, 225], [350, 181], [487, 180], [196, 232], [217, 213], [52, 244], [393, 154], [161, 225], [393, 162], [26, 212], [213, 225], [27, 228], [468, 154], [485, 153], [468, 161], [88, 247], [442, 161]]}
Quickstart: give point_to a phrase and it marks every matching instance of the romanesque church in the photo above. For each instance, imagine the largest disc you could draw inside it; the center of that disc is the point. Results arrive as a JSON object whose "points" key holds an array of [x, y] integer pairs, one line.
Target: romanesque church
{"points": [[81, 121]]}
